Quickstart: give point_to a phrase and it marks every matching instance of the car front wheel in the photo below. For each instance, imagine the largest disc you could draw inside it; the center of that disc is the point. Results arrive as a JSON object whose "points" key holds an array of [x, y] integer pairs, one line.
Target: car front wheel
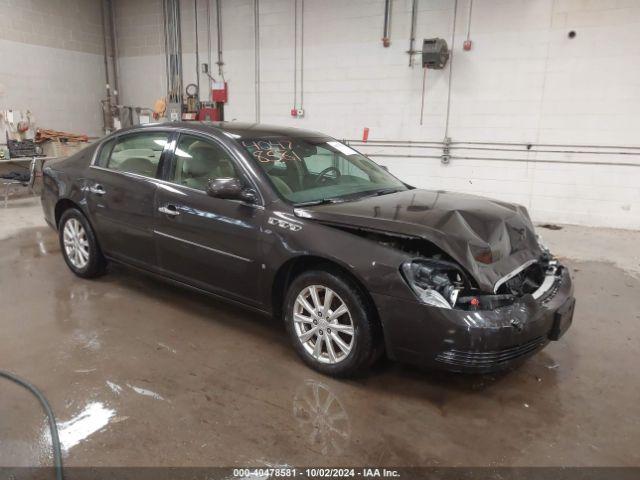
{"points": [[79, 245], [331, 324]]}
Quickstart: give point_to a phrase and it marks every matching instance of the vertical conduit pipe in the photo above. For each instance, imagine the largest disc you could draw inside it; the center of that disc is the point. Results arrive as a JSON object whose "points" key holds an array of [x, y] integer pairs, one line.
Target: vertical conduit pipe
{"points": [[453, 39], [220, 63], [209, 42], [302, 54], [295, 54], [412, 38], [173, 50], [178, 22], [108, 103], [386, 41], [256, 18], [469, 19], [195, 16], [165, 17], [114, 51]]}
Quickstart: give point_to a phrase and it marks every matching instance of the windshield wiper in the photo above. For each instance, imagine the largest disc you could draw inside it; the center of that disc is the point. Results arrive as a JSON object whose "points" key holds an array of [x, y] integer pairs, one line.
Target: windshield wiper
{"points": [[322, 201], [375, 193], [386, 191], [349, 198]]}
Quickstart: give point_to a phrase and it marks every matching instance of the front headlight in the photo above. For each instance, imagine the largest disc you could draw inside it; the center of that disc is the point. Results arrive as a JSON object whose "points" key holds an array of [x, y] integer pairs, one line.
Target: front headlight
{"points": [[435, 282]]}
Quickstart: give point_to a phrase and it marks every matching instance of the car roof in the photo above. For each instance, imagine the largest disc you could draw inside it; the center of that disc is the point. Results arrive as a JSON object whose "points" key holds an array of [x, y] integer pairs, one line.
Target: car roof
{"points": [[238, 130]]}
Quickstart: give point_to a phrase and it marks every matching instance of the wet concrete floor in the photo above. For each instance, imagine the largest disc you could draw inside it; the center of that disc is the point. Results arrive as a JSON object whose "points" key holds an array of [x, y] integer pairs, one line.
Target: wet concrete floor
{"points": [[143, 373]]}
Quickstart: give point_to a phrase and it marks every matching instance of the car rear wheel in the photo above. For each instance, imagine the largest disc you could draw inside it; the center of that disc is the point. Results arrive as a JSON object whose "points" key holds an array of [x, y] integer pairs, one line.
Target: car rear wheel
{"points": [[331, 324], [79, 245]]}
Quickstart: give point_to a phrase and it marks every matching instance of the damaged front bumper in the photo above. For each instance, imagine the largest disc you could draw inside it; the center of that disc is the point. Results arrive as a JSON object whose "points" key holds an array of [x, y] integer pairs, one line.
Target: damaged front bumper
{"points": [[477, 341]]}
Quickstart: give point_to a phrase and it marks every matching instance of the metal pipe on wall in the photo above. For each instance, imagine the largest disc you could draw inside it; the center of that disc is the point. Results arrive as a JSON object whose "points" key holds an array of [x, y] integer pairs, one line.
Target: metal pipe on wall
{"points": [[114, 51], [178, 22], [256, 19], [469, 20], [209, 58], [418, 143], [220, 63], [462, 146], [195, 16], [412, 37], [295, 54], [386, 40], [165, 16], [107, 104], [499, 149], [519, 160], [453, 39], [173, 49], [301, 54]]}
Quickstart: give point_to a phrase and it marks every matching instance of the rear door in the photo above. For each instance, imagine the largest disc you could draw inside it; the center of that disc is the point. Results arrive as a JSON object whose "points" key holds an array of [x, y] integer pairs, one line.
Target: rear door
{"points": [[121, 193], [211, 243]]}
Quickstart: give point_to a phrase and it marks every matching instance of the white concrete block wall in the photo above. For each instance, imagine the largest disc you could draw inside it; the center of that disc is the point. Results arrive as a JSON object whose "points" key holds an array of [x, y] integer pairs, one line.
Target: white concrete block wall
{"points": [[524, 81], [62, 88], [52, 62]]}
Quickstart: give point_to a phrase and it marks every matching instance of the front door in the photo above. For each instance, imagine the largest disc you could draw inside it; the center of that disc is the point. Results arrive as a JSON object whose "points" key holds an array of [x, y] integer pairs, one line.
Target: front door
{"points": [[208, 242], [121, 189]]}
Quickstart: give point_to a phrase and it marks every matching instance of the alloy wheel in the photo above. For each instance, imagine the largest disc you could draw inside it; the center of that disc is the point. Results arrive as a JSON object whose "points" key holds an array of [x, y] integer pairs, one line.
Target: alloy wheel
{"points": [[76, 243], [323, 324]]}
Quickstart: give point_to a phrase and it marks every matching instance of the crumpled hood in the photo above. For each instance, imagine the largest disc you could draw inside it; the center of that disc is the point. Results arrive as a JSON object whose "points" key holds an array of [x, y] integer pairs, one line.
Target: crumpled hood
{"points": [[488, 238]]}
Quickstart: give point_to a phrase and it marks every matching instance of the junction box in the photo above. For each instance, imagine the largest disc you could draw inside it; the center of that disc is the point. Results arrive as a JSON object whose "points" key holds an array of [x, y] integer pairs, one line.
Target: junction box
{"points": [[435, 53]]}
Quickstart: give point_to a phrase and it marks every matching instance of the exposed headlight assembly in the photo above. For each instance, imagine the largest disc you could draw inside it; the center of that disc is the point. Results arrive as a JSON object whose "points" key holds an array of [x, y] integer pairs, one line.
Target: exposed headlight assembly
{"points": [[542, 245], [435, 282]]}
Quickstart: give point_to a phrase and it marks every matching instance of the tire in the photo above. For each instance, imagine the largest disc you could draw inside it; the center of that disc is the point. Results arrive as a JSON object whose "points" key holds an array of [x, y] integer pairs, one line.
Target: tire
{"points": [[81, 252], [363, 343]]}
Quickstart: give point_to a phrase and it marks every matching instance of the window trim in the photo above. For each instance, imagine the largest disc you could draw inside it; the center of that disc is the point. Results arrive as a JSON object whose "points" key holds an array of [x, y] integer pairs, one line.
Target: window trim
{"points": [[104, 145]]}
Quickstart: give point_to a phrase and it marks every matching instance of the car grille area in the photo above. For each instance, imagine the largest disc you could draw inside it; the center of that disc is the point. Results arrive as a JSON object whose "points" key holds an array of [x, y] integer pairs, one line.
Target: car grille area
{"points": [[489, 359]]}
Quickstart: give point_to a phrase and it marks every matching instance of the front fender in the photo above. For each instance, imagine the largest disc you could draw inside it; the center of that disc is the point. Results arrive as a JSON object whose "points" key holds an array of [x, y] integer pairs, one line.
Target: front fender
{"points": [[375, 266]]}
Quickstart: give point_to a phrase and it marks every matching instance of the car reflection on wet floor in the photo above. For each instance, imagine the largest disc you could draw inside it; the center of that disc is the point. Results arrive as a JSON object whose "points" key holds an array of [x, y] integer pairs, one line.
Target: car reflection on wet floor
{"points": [[322, 419]]}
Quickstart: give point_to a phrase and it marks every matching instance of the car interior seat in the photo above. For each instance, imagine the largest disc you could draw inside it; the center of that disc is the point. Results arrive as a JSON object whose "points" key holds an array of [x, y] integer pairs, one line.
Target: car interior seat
{"points": [[202, 166], [139, 165]]}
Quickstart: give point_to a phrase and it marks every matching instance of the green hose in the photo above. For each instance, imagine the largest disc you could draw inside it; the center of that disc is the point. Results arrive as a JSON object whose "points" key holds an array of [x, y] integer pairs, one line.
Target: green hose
{"points": [[55, 440]]}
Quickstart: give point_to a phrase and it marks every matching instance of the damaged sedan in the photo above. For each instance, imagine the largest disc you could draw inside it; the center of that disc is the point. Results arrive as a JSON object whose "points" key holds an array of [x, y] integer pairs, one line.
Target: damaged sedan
{"points": [[300, 226]]}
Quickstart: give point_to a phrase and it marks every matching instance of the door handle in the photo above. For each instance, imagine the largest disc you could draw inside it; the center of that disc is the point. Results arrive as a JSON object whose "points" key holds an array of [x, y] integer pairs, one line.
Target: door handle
{"points": [[97, 189], [169, 210]]}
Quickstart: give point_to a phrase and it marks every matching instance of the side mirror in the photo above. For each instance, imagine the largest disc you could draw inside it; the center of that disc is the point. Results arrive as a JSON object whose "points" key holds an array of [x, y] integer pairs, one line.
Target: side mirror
{"points": [[231, 189]]}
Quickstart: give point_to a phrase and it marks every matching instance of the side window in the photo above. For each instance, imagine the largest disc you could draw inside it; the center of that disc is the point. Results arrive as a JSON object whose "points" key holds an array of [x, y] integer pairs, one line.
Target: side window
{"points": [[197, 161], [138, 153], [105, 151]]}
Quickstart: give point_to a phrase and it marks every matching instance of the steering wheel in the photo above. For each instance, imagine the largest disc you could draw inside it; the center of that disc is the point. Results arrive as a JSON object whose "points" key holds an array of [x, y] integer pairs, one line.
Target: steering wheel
{"points": [[322, 176]]}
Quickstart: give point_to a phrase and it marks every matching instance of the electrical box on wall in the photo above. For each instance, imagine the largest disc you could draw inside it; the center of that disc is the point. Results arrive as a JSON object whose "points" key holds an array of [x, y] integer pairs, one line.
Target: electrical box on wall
{"points": [[435, 53]]}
